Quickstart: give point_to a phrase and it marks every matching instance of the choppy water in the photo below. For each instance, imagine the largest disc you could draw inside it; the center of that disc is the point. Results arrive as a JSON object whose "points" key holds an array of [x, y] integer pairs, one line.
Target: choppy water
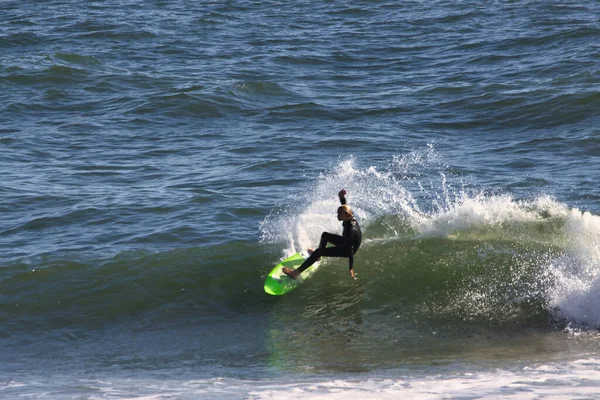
{"points": [[159, 158]]}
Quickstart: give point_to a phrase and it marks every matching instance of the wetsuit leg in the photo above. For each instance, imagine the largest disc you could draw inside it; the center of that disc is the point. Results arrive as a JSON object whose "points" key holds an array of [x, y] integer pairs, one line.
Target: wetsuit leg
{"points": [[327, 237], [324, 252]]}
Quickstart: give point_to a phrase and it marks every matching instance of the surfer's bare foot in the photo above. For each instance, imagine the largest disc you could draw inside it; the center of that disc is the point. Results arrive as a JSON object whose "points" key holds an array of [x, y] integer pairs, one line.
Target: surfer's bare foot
{"points": [[292, 273], [353, 274]]}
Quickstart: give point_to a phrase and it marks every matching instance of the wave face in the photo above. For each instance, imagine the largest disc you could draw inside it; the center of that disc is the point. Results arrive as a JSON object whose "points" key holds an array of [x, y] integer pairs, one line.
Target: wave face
{"points": [[444, 251], [445, 270]]}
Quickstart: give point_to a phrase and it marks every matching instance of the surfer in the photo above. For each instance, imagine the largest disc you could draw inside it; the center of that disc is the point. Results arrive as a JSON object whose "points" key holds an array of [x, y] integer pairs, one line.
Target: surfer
{"points": [[344, 246]]}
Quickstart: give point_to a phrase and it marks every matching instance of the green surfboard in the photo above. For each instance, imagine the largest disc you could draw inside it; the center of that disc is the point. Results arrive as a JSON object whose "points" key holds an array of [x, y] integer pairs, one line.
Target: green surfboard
{"points": [[278, 283]]}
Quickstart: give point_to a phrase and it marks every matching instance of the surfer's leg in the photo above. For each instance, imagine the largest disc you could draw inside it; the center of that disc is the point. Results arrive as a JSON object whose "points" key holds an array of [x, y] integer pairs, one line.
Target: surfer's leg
{"points": [[310, 260], [327, 237], [315, 255], [323, 252]]}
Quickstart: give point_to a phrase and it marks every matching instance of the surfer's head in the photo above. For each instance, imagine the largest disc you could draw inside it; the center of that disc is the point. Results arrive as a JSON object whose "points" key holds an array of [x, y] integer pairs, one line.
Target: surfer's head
{"points": [[344, 213]]}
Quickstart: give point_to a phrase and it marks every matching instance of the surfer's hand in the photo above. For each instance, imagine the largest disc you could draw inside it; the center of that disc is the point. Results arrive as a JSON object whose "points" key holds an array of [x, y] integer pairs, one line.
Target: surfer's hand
{"points": [[342, 193], [353, 275]]}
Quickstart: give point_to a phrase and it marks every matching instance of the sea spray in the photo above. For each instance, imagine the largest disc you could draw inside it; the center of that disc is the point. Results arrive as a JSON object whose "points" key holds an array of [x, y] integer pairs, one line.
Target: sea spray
{"points": [[373, 193], [576, 295]]}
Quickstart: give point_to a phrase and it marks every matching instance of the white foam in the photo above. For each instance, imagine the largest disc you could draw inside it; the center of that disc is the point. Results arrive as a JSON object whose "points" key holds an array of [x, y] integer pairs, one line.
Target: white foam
{"points": [[560, 380], [576, 294], [478, 211], [10, 384], [554, 381]]}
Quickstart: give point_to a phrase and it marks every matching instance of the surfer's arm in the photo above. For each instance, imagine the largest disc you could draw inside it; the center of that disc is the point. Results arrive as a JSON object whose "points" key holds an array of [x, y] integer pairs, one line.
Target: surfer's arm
{"points": [[348, 237], [342, 196], [348, 243], [351, 264]]}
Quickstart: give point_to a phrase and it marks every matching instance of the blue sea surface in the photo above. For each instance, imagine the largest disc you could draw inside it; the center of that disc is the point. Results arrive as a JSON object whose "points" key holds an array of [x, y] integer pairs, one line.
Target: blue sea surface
{"points": [[159, 158]]}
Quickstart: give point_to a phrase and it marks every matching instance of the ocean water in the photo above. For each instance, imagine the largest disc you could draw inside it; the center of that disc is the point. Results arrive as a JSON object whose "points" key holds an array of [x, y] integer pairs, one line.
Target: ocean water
{"points": [[158, 158]]}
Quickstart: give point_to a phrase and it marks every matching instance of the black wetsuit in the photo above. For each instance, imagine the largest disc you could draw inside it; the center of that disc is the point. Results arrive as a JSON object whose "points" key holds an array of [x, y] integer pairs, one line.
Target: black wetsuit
{"points": [[344, 246]]}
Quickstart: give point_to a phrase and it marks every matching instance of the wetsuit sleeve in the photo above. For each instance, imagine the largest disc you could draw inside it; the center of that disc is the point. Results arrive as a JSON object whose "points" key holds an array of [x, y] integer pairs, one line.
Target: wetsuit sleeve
{"points": [[349, 244], [349, 234]]}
